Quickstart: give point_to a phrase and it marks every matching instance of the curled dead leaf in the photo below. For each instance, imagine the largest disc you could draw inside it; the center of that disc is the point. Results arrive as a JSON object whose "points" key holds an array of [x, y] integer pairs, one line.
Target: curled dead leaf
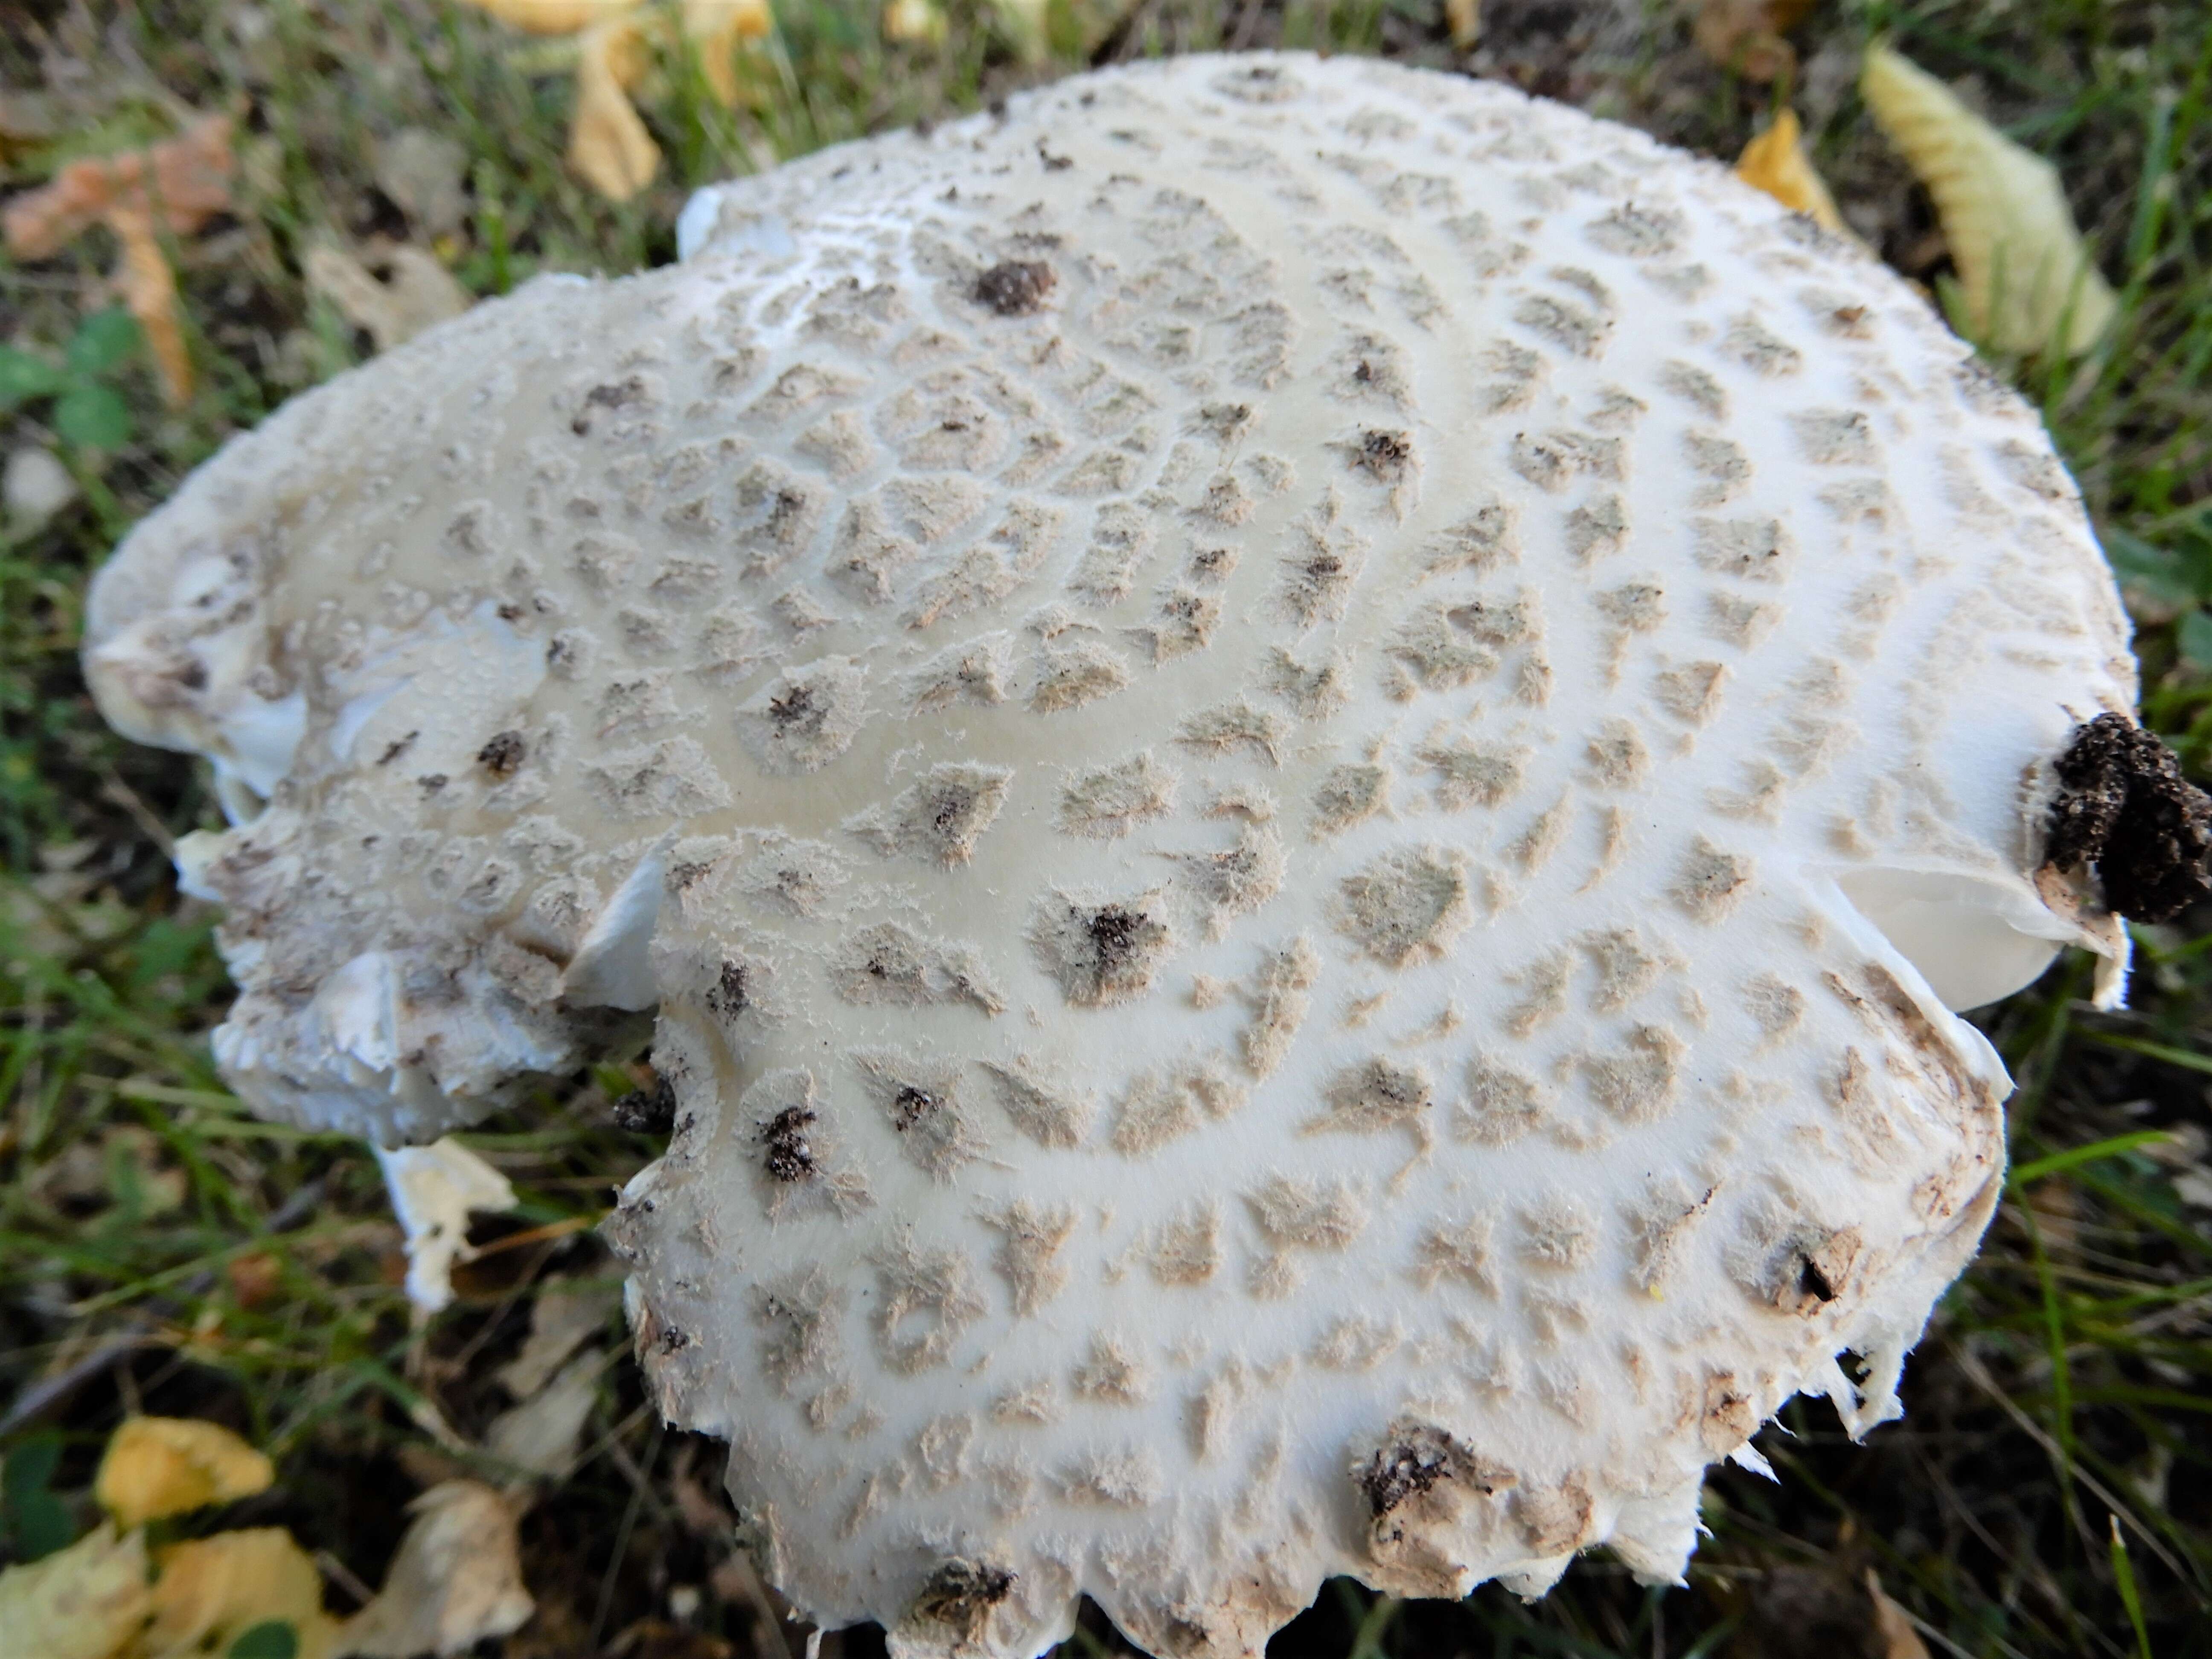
{"points": [[1900, 1640], [212, 1591], [421, 172], [561, 1320], [415, 292], [608, 145], [1775, 162], [540, 1435], [455, 1579], [718, 30], [81, 1603], [180, 182], [174, 186], [162, 1466], [2028, 280]]}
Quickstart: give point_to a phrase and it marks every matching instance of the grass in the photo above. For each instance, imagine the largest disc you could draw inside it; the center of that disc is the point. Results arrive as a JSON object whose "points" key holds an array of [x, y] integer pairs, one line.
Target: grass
{"points": [[2049, 1491]]}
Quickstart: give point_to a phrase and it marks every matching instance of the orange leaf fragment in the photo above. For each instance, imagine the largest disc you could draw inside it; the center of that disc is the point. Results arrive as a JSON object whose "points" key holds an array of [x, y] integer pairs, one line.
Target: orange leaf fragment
{"points": [[174, 186], [1775, 162], [717, 28]]}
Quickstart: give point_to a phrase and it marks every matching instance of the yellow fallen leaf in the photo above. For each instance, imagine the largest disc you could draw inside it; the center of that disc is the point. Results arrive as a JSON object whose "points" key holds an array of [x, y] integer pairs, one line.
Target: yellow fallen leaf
{"points": [[83, 1602], [161, 1466], [2023, 265], [214, 1589], [919, 23], [1024, 22], [1775, 162], [718, 29], [455, 1579], [609, 147], [1464, 19]]}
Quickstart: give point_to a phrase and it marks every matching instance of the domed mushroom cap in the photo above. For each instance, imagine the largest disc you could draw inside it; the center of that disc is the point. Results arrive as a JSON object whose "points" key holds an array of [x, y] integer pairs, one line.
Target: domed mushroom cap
{"points": [[1300, 755]]}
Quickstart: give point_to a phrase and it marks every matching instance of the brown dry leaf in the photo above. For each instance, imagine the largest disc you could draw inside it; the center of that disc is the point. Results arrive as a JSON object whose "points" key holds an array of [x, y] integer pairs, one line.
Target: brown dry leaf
{"points": [[540, 1435], [176, 186], [255, 1278], [1745, 35], [455, 1579], [1775, 162], [2023, 266], [83, 1602], [561, 1320], [214, 1589], [1900, 1640], [161, 1466], [421, 172], [415, 293]]}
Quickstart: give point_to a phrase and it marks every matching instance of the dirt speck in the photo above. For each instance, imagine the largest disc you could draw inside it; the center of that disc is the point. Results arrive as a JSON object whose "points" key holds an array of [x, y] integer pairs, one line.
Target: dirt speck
{"points": [[790, 1156], [647, 1111], [2125, 807], [1015, 288], [960, 1594], [502, 754]]}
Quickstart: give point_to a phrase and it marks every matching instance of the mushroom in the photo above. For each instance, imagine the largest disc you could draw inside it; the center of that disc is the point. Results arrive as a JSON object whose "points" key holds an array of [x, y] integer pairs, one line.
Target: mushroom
{"points": [[1301, 760]]}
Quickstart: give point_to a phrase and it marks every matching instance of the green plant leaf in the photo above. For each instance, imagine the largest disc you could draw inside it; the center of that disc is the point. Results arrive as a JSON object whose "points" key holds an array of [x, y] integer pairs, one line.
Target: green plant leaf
{"points": [[93, 416], [2194, 637], [103, 341], [272, 1639], [23, 377], [37, 1522]]}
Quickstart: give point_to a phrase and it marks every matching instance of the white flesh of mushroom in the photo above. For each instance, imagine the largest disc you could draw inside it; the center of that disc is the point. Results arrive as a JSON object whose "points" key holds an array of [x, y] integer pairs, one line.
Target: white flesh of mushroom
{"points": [[1300, 754]]}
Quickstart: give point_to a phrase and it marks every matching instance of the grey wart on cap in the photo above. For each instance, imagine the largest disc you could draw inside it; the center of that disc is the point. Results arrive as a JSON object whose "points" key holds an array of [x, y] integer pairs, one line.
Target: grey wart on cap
{"points": [[1301, 760]]}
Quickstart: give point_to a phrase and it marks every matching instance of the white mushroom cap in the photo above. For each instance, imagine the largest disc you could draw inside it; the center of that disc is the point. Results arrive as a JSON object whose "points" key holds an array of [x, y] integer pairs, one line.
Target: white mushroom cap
{"points": [[1301, 754]]}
